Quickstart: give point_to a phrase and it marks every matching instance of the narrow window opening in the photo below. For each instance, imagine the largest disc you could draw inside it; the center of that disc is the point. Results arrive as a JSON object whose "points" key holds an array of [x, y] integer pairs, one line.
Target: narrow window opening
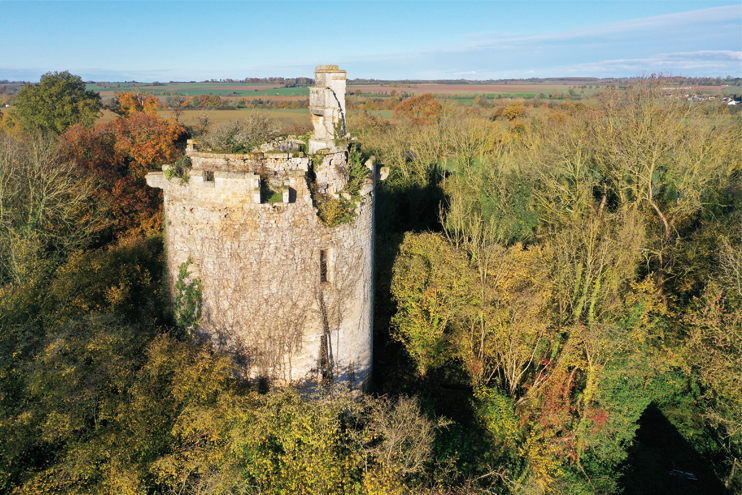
{"points": [[323, 262], [208, 176]]}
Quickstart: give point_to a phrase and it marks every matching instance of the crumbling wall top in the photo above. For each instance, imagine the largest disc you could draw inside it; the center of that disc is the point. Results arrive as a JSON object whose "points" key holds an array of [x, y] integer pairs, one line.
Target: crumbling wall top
{"points": [[328, 68]]}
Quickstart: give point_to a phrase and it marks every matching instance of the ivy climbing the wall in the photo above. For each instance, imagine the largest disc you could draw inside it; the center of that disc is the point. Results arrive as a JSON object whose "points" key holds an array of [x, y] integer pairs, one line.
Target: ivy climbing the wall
{"points": [[188, 298]]}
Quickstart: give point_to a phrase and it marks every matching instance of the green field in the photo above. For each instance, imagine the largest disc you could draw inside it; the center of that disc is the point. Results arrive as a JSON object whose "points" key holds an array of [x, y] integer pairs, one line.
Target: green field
{"points": [[235, 92], [279, 92], [492, 91], [387, 114], [469, 100]]}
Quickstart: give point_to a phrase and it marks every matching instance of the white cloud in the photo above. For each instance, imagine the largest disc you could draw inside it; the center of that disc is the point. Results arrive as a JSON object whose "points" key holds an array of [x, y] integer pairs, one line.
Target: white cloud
{"points": [[702, 42], [730, 15], [702, 59]]}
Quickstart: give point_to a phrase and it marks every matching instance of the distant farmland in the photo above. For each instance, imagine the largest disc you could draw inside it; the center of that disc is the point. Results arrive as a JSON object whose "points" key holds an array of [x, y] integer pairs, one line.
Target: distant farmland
{"points": [[273, 94], [192, 89], [471, 90], [193, 117], [245, 90], [460, 91]]}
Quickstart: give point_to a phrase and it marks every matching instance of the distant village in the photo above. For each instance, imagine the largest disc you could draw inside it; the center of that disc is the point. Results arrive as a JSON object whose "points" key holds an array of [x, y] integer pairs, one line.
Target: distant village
{"points": [[686, 94]]}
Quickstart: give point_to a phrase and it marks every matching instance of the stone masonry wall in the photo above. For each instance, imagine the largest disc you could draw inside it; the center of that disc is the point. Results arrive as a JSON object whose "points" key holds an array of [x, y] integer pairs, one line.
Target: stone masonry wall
{"points": [[267, 297]]}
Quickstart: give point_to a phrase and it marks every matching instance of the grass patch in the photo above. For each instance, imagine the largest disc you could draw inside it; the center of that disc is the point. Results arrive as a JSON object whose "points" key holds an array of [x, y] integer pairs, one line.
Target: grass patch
{"points": [[387, 114]]}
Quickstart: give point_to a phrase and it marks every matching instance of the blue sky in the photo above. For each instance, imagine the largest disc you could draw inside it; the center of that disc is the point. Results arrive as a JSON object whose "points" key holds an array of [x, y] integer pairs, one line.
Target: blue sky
{"points": [[197, 40]]}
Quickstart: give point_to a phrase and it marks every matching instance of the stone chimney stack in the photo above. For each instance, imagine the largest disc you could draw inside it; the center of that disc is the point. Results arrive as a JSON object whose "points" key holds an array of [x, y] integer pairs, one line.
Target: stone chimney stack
{"points": [[327, 107]]}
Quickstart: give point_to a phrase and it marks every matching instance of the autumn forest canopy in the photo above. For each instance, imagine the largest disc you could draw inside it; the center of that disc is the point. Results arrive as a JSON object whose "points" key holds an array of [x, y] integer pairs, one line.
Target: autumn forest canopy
{"points": [[558, 304]]}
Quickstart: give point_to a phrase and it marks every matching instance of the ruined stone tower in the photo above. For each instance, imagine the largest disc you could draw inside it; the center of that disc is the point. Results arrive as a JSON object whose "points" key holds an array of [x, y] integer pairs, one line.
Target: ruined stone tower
{"points": [[290, 296], [327, 107]]}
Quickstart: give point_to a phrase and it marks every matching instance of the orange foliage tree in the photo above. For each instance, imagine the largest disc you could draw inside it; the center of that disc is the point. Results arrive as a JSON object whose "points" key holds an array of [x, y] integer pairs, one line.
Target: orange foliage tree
{"points": [[127, 103], [421, 110], [513, 111], [119, 154]]}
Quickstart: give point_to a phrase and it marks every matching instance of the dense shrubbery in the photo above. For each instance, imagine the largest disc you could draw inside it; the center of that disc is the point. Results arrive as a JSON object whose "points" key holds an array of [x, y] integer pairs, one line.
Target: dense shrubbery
{"points": [[241, 136], [558, 280]]}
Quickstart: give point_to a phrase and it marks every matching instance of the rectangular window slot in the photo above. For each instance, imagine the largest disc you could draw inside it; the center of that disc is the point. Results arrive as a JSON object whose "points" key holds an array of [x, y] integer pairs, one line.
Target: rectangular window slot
{"points": [[324, 261], [209, 178]]}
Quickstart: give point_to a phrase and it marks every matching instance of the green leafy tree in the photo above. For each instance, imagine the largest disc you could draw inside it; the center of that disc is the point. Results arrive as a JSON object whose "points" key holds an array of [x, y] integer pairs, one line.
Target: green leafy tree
{"points": [[431, 285], [57, 102]]}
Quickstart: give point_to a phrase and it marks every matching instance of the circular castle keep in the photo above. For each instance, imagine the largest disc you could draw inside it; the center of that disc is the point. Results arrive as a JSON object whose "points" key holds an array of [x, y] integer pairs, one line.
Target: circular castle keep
{"points": [[288, 295]]}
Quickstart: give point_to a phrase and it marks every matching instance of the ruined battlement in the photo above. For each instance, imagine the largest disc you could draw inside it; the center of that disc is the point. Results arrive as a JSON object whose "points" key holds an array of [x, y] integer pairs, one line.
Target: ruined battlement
{"points": [[286, 158], [289, 296], [247, 178]]}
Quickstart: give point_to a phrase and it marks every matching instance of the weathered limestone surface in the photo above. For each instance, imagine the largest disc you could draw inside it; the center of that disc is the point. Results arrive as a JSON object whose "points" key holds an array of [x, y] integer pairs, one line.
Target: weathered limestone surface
{"points": [[332, 173], [272, 162], [289, 296], [327, 106], [260, 265]]}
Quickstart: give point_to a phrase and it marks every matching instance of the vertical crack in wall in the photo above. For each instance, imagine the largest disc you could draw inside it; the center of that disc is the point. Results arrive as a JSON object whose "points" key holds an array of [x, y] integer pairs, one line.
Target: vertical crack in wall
{"points": [[340, 107]]}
